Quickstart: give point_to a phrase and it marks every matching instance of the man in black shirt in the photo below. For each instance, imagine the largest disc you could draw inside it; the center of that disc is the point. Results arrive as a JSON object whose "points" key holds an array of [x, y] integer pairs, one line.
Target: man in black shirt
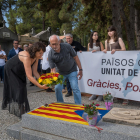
{"points": [[77, 47]]}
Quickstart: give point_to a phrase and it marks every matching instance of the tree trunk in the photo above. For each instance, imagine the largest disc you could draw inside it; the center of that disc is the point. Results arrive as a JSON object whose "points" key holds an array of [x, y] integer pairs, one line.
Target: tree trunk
{"points": [[116, 17], [1, 18], [43, 22], [10, 5], [129, 24], [132, 27], [137, 28]]}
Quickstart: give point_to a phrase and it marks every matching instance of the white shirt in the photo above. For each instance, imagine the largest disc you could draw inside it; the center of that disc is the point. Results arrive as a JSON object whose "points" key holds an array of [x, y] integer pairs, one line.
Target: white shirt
{"points": [[45, 62], [16, 50], [2, 61], [97, 48]]}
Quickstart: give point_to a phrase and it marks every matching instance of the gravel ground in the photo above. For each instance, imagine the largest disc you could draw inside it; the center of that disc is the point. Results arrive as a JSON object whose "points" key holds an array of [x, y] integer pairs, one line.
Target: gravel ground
{"points": [[40, 98]]}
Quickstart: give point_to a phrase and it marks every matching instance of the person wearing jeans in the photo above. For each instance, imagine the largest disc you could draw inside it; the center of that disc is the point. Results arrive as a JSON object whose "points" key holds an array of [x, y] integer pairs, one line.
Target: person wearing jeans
{"points": [[78, 48], [2, 62], [64, 58], [72, 77]]}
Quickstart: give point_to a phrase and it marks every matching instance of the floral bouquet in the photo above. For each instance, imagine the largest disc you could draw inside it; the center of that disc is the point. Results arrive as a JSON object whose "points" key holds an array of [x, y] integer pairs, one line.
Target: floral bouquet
{"points": [[92, 113], [108, 98], [50, 79]]}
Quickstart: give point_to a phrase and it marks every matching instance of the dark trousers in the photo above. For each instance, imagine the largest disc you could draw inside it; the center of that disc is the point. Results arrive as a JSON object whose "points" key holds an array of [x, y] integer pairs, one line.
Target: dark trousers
{"points": [[2, 72], [68, 86], [46, 71], [64, 86]]}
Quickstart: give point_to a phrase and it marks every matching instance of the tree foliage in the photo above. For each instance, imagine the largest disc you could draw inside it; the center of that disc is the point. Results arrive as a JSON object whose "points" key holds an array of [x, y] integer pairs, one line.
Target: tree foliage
{"points": [[93, 15], [79, 17]]}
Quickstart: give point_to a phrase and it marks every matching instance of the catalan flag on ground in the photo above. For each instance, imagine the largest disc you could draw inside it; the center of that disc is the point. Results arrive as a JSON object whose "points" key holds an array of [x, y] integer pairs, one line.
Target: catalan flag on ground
{"points": [[61, 111]]}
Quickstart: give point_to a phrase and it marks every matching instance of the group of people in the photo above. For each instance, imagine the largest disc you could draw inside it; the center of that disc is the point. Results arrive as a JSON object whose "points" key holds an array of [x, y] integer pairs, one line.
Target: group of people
{"points": [[57, 57], [113, 44]]}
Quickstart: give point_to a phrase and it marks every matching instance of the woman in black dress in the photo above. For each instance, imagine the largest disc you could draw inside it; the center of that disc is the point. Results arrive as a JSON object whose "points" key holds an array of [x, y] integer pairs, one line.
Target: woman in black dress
{"points": [[15, 72]]}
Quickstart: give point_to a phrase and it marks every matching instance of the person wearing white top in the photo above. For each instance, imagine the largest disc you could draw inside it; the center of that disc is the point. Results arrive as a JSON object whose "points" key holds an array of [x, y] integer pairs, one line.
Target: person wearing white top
{"points": [[45, 64], [94, 46], [16, 50], [2, 62]]}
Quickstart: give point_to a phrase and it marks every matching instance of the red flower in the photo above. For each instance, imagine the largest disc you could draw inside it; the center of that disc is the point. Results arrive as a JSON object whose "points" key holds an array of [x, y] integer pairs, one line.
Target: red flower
{"points": [[56, 75], [83, 104], [89, 105], [97, 105], [49, 76], [43, 77], [93, 102], [109, 93]]}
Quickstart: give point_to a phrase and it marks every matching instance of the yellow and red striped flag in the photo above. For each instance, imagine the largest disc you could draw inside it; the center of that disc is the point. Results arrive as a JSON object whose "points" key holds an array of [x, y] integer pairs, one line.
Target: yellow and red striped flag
{"points": [[61, 111]]}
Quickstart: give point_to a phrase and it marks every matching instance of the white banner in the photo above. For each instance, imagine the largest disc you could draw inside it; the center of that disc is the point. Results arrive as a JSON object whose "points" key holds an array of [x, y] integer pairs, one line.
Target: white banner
{"points": [[117, 72]]}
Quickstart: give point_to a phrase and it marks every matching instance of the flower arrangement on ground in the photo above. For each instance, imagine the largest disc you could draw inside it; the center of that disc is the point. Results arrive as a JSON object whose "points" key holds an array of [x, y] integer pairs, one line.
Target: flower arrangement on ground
{"points": [[50, 79], [92, 113], [91, 109], [108, 98]]}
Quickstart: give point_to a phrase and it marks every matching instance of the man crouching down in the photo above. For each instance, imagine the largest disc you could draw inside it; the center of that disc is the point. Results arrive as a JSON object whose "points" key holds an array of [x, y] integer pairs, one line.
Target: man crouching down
{"points": [[64, 58]]}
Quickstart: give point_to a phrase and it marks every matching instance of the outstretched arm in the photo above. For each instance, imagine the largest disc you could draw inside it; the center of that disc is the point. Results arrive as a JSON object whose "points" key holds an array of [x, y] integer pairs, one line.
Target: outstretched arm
{"points": [[102, 46], [27, 65], [53, 70], [34, 68], [105, 50]]}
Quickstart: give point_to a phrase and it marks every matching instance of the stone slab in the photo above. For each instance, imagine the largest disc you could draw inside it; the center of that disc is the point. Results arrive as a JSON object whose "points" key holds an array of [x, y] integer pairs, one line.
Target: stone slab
{"points": [[78, 131], [27, 134], [17, 132], [34, 127], [109, 132], [110, 118]]}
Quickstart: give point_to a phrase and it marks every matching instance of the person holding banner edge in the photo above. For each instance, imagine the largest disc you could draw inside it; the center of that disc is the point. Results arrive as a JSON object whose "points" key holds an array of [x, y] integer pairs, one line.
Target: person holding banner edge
{"points": [[78, 48], [94, 46], [113, 44]]}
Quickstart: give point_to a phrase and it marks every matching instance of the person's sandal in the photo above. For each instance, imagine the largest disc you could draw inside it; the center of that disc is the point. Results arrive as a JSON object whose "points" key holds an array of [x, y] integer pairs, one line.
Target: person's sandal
{"points": [[125, 102]]}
